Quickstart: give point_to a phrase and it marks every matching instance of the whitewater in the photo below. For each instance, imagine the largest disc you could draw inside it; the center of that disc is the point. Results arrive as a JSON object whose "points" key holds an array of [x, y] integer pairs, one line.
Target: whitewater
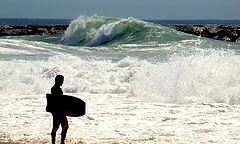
{"points": [[142, 83]]}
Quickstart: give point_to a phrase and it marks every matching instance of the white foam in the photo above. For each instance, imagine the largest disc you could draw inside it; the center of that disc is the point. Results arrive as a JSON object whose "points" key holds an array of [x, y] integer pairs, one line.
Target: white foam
{"points": [[113, 119], [20, 47], [198, 78]]}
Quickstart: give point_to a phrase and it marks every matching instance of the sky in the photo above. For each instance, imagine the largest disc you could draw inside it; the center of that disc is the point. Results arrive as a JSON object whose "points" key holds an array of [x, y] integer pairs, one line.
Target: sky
{"points": [[143, 9]]}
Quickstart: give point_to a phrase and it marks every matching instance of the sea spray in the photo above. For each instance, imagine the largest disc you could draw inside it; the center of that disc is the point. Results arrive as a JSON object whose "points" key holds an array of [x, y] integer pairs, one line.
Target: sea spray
{"points": [[83, 29], [198, 78]]}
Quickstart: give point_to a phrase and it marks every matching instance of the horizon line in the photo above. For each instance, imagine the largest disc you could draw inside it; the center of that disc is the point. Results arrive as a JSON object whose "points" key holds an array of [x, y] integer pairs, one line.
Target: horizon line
{"points": [[138, 18]]}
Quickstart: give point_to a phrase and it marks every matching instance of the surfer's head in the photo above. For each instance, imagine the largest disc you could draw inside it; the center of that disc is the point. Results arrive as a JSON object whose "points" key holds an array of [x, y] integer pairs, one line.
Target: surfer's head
{"points": [[59, 80]]}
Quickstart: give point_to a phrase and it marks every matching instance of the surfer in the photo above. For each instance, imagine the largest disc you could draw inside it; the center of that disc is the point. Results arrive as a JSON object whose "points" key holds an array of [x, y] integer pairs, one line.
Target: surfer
{"points": [[58, 116]]}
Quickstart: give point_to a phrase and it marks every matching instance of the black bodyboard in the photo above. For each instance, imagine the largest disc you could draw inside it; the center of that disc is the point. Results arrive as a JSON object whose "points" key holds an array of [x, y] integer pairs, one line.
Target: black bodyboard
{"points": [[69, 105]]}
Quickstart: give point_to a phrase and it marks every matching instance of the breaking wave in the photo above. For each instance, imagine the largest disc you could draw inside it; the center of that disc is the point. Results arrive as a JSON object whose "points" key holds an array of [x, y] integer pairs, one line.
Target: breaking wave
{"points": [[98, 30]]}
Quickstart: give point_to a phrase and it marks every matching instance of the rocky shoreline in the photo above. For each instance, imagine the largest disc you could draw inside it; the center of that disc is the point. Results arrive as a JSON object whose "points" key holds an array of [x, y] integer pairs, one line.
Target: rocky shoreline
{"points": [[215, 31], [20, 30]]}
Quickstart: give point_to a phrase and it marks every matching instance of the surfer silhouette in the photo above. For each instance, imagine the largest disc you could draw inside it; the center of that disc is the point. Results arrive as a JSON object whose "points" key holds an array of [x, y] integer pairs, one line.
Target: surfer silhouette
{"points": [[58, 116]]}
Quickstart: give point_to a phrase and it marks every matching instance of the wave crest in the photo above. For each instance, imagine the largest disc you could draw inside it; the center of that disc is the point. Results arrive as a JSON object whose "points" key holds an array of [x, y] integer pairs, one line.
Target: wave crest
{"points": [[97, 30]]}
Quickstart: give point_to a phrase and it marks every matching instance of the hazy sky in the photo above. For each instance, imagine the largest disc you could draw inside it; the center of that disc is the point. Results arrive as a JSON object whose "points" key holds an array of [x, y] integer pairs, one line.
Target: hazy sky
{"points": [[147, 9]]}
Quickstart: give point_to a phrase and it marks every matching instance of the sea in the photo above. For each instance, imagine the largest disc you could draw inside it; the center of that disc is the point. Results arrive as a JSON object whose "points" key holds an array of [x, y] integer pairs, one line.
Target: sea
{"points": [[143, 83]]}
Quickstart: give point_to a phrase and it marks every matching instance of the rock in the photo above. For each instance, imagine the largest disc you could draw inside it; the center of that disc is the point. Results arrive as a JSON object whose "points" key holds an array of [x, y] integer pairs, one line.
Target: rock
{"points": [[215, 31], [226, 38], [18, 30], [6, 27], [238, 40]]}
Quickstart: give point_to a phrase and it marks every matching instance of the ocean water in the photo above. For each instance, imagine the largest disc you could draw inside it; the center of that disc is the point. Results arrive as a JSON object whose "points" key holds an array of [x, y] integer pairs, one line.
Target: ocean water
{"points": [[142, 82], [22, 21], [25, 21]]}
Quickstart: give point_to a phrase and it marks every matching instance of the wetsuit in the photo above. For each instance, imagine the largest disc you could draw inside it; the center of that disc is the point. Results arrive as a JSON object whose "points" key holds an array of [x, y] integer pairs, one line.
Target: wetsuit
{"points": [[58, 117], [56, 90]]}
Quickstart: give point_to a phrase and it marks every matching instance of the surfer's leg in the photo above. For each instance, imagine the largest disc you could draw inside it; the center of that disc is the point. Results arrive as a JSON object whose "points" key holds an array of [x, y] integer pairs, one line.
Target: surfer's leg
{"points": [[64, 123], [56, 123]]}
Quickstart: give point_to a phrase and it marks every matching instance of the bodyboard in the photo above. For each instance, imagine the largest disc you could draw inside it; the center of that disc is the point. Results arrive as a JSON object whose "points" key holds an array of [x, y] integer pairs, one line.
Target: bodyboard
{"points": [[69, 105]]}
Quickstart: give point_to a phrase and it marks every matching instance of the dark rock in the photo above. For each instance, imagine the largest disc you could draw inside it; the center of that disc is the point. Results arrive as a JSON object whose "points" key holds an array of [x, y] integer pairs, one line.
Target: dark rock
{"points": [[238, 40], [18, 30], [215, 31], [6, 27]]}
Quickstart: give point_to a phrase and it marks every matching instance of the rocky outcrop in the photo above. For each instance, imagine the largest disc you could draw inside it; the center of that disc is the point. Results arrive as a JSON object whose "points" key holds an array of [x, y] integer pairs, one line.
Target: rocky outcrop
{"points": [[215, 31], [19, 30]]}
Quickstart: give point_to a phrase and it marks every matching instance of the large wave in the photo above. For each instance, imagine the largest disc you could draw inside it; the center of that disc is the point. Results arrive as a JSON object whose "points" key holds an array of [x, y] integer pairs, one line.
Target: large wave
{"points": [[97, 30]]}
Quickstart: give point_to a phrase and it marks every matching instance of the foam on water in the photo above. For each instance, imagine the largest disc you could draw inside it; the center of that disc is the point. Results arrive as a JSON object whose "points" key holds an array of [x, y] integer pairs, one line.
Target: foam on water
{"points": [[198, 78]]}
